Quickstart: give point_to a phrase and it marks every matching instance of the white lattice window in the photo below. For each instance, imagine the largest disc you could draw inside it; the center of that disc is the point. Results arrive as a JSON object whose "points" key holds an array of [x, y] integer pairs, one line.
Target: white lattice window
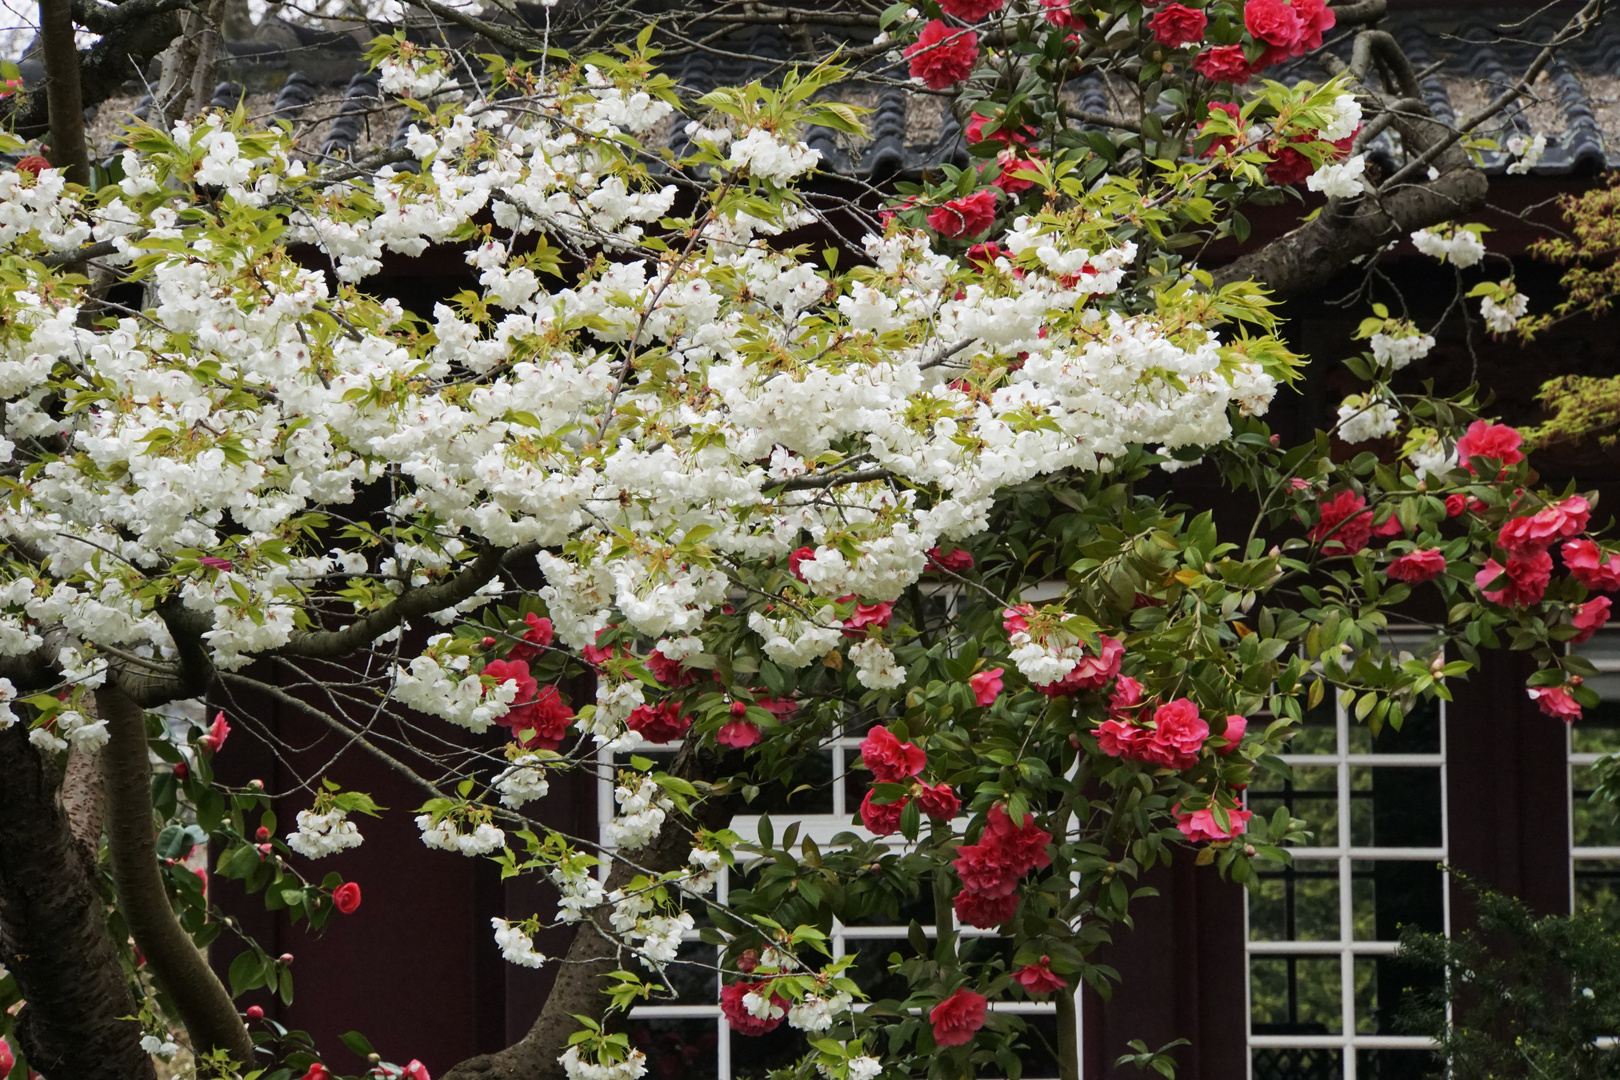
{"points": [[688, 1039], [1324, 985], [1594, 831]]}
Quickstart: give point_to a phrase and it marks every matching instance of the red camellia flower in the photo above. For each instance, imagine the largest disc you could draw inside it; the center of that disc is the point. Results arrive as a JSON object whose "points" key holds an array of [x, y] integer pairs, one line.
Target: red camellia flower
{"points": [[1059, 13], [1120, 738], [1287, 166], [215, 739], [1589, 618], [972, 10], [1178, 734], [1093, 672], [33, 164], [1345, 524], [1288, 29], [658, 723], [1419, 566], [891, 760], [980, 257], [1527, 577], [986, 686], [1590, 567], [1539, 531], [957, 1018], [1236, 728], [983, 910], [346, 897], [1176, 25], [1556, 702], [937, 801], [738, 733], [672, 673], [1202, 825], [943, 57], [975, 133], [882, 818], [548, 716], [537, 637], [959, 560], [416, 1071], [1123, 702], [1496, 441], [1226, 142], [1224, 63], [504, 671], [737, 1015], [1011, 164], [967, 216], [1391, 527], [1038, 978], [317, 1071], [796, 558], [1005, 852]]}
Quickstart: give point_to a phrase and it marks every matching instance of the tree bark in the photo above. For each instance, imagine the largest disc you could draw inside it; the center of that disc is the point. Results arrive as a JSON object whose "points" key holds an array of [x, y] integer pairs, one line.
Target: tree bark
{"points": [[53, 933], [204, 1006], [64, 102], [581, 975]]}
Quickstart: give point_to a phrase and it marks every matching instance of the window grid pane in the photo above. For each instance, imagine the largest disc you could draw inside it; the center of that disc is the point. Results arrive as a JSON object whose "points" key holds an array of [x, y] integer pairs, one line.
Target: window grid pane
{"points": [[1324, 984], [1594, 830]]}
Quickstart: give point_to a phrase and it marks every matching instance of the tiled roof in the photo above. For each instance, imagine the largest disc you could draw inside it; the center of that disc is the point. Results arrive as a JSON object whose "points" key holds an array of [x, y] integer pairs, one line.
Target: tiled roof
{"points": [[318, 82]]}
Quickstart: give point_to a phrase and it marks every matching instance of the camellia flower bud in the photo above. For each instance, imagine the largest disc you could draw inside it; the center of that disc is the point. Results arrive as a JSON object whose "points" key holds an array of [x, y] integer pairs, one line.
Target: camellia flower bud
{"points": [[262, 834], [181, 771], [285, 958], [255, 1013]]}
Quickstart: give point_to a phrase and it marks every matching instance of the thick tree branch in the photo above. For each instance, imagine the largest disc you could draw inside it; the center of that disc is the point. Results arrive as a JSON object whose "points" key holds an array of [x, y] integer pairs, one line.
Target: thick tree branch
{"points": [[64, 103], [122, 53], [412, 604], [204, 1006], [53, 932]]}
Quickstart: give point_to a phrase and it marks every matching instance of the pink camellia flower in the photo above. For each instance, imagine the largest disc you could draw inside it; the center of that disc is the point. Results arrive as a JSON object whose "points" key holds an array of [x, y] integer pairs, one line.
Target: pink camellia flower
{"points": [[1345, 524], [1178, 734], [1288, 29], [1496, 441], [975, 133], [968, 216], [1556, 702], [346, 897], [597, 654], [1591, 567], [1011, 164], [1539, 531], [1224, 63], [1038, 978], [943, 57], [215, 563], [1419, 566], [1093, 672], [796, 558], [317, 1071], [8, 1060], [1176, 25], [1202, 825], [1004, 853], [737, 1015], [738, 734], [957, 1018], [416, 1071], [1124, 701], [1287, 166], [658, 723], [1527, 578], [959, 559], [1120, 738], [1391, 527], [891, 760], [1589, 618], [1014, 620], [1236, 728], [877, 615], [986, 686], [972, 10], [217, 732], [882, 818], [937, 801], [983, 910]]}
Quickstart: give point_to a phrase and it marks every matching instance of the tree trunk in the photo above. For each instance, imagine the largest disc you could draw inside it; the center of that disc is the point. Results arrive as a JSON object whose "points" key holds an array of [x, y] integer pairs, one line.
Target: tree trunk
{"points": [[581, 975], [60, 54], [204, 1006], [53, 933]]}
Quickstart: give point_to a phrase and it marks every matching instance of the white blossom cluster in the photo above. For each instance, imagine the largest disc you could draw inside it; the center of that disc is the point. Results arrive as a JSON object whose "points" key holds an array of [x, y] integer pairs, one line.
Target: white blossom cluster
{"points": [[632, 1067], [579, 891], [1398, 350], [323, 834], [642, 810], [515, 945], [859, 1067], [1526, 151], [1362, 418], [875, 666], [445, 836], [1461, 247], [655, 937], [1503, 316], [1346, 118], [1339, 179], [521, 782], [814, 1013]]}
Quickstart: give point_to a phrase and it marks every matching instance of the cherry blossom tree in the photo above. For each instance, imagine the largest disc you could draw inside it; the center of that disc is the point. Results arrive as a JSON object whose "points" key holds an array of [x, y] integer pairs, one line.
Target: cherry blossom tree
{"points": [[754, 495]]}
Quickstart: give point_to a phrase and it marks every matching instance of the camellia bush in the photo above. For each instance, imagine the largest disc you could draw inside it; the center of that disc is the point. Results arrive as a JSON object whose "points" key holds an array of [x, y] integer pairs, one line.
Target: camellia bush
{"points": [[754, 495]]}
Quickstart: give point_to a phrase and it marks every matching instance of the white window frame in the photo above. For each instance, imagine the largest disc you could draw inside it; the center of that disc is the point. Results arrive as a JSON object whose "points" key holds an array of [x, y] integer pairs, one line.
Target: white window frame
{"points": [[1346, 947], [1606, 665]]}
